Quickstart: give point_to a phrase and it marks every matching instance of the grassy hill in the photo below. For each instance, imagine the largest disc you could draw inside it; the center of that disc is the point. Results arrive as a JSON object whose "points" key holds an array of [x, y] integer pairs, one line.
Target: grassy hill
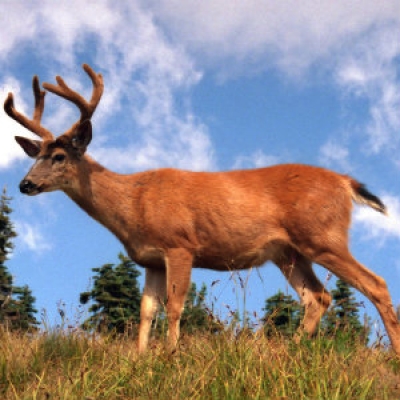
{"points": [[55, 365]]}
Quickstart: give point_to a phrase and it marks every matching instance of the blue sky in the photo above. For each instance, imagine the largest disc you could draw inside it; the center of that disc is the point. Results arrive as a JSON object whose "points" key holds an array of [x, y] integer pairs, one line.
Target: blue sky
{"points": [[205, 86]]}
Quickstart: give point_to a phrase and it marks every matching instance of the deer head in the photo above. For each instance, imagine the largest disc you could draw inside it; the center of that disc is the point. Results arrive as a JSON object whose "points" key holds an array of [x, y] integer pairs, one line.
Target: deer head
{"points": [[57, 159]]}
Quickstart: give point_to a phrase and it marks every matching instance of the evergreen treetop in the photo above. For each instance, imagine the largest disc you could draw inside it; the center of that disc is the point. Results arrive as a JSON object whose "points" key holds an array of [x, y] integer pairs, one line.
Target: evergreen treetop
{"points": [[343, 315], [115, 296], [196, 316], [7, 232], [17, 311], [282, 314]]}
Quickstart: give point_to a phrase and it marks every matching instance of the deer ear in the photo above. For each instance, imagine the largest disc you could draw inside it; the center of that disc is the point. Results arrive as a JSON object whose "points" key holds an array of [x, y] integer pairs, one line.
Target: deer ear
{"points": [[82, 136], [31, 147]]}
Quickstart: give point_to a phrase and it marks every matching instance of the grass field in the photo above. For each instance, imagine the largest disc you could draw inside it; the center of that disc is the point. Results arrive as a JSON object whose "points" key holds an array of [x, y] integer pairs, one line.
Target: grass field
{"points": [[56, 365]]}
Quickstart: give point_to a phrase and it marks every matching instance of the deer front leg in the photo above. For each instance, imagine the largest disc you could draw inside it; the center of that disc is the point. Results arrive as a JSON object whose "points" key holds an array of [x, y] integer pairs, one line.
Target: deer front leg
{"points": [[153, 294], [179, 267]]}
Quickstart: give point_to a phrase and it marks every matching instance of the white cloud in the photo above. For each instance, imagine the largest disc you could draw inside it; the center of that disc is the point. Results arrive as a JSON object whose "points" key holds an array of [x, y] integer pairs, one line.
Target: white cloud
{"points": [[334, 154], [16, 28], [255, 160], [56, 29], [151, 53], [31, 237], [260, 34], [143, 72], [376, 225], [357, 42], [10, 152], [371, 71], [190, 149]]}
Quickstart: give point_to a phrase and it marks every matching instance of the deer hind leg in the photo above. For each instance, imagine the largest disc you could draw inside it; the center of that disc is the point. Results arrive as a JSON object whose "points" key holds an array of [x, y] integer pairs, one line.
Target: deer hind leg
{"points": [[313, 295], [179, 267], [342, 264], [153, 294]]}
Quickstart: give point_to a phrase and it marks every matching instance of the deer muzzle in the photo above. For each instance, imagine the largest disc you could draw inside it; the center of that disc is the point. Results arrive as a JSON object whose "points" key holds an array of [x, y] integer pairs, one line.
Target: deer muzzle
{"points": [[28, 187]]}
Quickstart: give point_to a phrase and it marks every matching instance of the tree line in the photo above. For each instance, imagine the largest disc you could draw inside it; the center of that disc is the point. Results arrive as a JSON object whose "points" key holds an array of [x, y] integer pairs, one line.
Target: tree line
{"points": [[114, 301], [17, 305]]}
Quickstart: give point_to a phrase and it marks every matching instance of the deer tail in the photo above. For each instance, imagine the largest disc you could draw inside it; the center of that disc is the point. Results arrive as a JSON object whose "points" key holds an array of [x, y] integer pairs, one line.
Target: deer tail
{"points": [[361, 195]]}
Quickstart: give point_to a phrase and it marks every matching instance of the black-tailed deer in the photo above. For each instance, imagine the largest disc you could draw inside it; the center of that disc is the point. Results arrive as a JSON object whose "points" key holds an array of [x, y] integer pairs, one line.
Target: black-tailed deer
{"points": [[171, 220]]}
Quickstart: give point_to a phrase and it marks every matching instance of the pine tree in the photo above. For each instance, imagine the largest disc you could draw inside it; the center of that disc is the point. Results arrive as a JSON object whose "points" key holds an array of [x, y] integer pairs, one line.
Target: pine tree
{"points": [[195, 316], [6, 290], [342, 319], [282, 315], [7, 234], [22, 311], [17, 309], [116, 297]]}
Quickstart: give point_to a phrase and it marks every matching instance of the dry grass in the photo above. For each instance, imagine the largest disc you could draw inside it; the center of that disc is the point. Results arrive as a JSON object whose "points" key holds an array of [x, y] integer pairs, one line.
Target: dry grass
{"points": [[72, 366]]}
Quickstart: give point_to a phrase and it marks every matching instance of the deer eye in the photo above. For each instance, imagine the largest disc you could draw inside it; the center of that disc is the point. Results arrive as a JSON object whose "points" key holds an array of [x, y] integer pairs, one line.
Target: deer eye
{"points": [[58, 157]]}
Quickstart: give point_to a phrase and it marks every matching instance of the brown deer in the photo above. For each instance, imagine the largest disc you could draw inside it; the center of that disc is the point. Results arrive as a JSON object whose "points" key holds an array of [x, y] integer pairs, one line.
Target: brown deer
{"points": [[171, 220]]}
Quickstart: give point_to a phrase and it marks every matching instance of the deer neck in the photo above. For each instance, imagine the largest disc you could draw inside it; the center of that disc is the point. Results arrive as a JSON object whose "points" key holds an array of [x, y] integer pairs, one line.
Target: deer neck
{"points": [[105, 195]]}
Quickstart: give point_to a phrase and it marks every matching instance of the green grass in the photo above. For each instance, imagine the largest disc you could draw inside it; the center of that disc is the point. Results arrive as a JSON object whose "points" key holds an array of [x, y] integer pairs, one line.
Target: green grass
{"points": [[224, 366]]}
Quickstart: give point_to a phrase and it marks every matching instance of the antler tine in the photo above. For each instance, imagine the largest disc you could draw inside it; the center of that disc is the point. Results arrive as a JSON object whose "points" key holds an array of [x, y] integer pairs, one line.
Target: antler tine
{"points": [[34, 125], [86, 108], [39, 100], [98, 87]]}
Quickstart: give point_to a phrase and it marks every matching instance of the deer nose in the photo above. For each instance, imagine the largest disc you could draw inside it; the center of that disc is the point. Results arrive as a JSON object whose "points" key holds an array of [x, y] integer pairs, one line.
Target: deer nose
{"points": [[26, 186]]}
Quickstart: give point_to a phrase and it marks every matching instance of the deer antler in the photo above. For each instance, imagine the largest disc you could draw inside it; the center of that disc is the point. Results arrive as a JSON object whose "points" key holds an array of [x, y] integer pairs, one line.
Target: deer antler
{"points": [[87, 108], [34, 124]]}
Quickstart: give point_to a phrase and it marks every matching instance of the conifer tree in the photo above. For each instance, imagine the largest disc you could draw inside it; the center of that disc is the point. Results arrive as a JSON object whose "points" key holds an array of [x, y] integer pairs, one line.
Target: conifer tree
{"points": [[343, 316], [282, 315], [7, 234], [17, 309], [22, 311], [115, 296], [6, 290], [195, 316]]}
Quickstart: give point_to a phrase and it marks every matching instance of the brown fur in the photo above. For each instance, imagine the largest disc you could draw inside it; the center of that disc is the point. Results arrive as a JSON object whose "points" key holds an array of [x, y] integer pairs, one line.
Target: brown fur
{"points": [[171, 220]]}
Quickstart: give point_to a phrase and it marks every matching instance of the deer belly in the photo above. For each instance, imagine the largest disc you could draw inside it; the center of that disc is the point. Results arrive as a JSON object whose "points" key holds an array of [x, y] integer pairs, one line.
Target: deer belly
{"points": [[235, 261], [149, 257]]}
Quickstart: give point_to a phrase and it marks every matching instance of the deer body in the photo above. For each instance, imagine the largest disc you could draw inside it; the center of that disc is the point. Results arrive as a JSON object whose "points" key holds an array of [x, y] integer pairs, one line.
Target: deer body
{"points": [[170, 220], [247, 217]]}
